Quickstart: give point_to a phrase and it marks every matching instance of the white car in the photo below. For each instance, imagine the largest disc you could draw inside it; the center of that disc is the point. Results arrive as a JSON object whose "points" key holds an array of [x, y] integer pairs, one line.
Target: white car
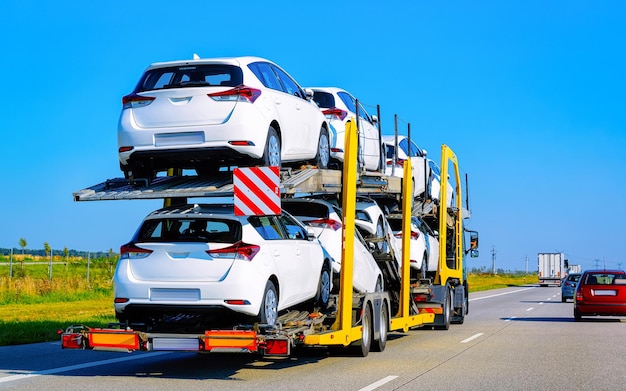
{"points": [[205, 114], [424, 245], [371, 220], [325, 220], [426, 173], [339, 106], [200, 266]]}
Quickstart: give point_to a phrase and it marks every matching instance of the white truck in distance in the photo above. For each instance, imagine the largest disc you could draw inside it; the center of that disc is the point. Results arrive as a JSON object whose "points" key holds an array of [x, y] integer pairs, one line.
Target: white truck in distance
{"points": [[551, 268]]}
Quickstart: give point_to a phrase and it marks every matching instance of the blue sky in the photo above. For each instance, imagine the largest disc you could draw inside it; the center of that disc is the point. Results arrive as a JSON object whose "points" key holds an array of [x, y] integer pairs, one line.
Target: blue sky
{"points": [[530, 95]]}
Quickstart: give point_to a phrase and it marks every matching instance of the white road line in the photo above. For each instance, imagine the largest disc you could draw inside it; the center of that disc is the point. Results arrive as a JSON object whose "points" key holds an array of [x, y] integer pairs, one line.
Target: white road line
{"points": [[509, 319], [499, 294], [529, 309], [473, 337], [379, 383], [51, 371]]}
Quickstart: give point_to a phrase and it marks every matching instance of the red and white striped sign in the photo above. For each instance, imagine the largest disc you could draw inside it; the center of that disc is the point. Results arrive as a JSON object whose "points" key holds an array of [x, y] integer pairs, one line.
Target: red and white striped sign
{"points": [[257, 191]]}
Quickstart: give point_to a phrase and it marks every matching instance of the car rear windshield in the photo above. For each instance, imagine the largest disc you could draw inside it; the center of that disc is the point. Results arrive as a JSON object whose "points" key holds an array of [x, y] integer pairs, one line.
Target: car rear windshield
{"points": [[190, 76], [604, 279], [324, 100], [189, 230], [306, 209]]}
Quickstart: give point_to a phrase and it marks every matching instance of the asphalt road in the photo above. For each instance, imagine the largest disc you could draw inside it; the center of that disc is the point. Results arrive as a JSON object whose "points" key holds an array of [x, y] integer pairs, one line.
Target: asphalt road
{"points": [[513, 339]]}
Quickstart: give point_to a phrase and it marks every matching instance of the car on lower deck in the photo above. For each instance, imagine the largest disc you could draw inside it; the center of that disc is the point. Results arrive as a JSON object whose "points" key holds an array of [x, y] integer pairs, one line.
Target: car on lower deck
{"points": [[424, 245], [600, 293], [325, 219], [193, 267], [205, 114]]}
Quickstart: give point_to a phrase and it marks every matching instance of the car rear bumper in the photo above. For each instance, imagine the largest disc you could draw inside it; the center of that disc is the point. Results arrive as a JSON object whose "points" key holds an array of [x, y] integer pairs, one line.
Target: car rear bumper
{"points": [[605, 309]]}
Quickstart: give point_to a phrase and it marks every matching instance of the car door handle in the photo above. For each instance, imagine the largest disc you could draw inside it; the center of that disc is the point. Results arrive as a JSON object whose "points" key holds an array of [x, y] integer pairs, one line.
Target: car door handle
{"points": [[276, 253], [298, 252]]}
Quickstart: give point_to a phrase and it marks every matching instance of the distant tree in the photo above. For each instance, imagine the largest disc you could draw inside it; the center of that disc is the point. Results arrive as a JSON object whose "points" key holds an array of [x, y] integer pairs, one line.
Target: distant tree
{"points": [[23, 244], [46, 247]]}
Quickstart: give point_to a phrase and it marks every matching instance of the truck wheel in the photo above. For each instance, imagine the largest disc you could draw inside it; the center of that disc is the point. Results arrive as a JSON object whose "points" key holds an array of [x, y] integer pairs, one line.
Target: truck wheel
{"points": [[271, 154], [323, 150], [447, 309], [362, 347], [268, 314], [381, 342]]}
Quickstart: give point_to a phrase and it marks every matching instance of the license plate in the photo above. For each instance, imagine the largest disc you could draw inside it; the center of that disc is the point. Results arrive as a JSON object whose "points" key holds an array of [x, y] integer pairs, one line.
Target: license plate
{"points": [[605, 292]]}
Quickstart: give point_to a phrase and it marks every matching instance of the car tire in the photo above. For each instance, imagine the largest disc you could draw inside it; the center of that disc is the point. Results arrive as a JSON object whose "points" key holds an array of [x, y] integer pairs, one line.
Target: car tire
{"points": [[268, 313], [322, 296], [380, 233], [577, 316], [322, 158], [271, 153]]}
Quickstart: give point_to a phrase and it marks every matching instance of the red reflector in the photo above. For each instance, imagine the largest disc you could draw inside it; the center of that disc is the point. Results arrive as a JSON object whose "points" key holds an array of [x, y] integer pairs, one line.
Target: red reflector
{"points": [[120, 300], [241, 143], [278, 347], [237, 302], [71, 341], [125, 149]]}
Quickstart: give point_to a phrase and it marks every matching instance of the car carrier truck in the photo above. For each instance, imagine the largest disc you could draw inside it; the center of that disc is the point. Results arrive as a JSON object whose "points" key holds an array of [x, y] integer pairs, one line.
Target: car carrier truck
{"points": [[357, 321]]}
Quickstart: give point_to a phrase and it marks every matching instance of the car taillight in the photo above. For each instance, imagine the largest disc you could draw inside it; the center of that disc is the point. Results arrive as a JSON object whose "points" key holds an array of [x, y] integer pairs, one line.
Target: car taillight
{"points": [[324, 223], [239, 250], [579, 295], [335, 113], [414, 235], [133, 100], [399, 164], [237, 94], [132, 251]]}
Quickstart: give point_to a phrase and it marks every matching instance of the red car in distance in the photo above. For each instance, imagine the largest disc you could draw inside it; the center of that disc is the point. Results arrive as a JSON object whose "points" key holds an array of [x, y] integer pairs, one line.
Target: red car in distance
{"points": [[601, 293]]}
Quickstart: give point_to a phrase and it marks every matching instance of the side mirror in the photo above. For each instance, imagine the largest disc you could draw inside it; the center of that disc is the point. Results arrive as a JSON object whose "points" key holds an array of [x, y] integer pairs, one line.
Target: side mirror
{"points": [[474, 253], [310, 234], [308, 93], [473, 240], [374, 119]]}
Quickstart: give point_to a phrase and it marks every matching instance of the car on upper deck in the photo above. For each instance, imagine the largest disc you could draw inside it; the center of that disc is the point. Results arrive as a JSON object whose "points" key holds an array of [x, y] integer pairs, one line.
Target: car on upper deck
{"points": [[340, 106], [193, 267], [600, 293], [205, 114]]}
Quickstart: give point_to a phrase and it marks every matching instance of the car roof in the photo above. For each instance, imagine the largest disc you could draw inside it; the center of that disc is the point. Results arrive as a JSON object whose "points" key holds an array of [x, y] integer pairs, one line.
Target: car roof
{"points": [[189, 210], [605, 271], [238, 61]]}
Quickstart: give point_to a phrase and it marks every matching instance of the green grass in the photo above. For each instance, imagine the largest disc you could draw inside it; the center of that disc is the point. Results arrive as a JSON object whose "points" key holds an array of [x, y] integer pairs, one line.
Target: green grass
{"points": [[32, 309]]}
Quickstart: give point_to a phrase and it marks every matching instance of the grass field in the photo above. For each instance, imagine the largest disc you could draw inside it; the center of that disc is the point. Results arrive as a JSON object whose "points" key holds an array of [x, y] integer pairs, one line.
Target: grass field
{"points": [[33, 309]]}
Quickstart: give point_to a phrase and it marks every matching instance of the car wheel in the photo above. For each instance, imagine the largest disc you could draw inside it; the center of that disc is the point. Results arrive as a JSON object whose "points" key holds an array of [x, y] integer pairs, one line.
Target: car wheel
{"points": [[577, 315], [323, 150], [563, 299], [323, 289], [268, 314], [380, 233], [271, 154], [381, 342]]}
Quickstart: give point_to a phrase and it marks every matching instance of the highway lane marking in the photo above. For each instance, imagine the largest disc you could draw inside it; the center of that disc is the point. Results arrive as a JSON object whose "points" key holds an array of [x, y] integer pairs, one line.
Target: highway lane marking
{"points": [[529, 309], [52, 371], [509, 319], [473, 337], [499, 294], [379, 383]]}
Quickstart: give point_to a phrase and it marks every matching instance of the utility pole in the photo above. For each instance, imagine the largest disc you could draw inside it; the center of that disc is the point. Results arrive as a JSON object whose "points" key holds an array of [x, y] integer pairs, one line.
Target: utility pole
{"points": [[493, 260], [526, 264], [596, 263]]}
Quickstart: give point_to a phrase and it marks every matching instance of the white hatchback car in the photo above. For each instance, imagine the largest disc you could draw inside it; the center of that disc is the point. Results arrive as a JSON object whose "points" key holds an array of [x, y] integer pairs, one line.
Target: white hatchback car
{"points": [[426, 181], [204, 114], [193, 267], [371, 220], [339, 106], [325, 220], [424, 245]]}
